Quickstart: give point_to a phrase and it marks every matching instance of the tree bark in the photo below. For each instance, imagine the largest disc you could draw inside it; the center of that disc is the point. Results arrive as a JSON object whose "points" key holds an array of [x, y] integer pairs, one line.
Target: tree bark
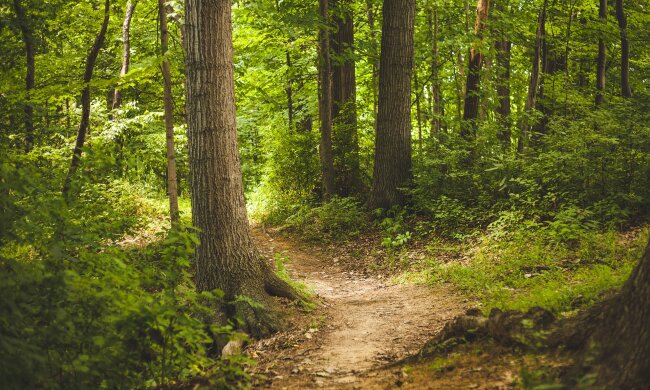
{"points": [[226, 258], [289, 90], [126, 49], [503, 50], [393, 139], [418, 106], [325, 103], [623, 335], [472, 90], [374, 56], [436, 89], [626, 91], [85, 101], [28, 40], [602, 55], [533, 81], [344, 107], [172, 190]]}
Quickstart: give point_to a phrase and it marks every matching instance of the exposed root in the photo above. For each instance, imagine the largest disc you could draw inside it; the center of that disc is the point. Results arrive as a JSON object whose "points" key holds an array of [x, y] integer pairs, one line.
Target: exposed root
{"points": [[526, 330]]}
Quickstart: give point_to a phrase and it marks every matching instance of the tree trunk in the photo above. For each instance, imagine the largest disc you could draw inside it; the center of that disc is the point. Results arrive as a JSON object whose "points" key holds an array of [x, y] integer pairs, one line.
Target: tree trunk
{"points": [[393, 140], [374, 56], [503, 50], [533, 81], [626, 91], [289, 91], [126, 49], [28, 39], [418, 106], [172, 190], [226, 257], [85, 101], [623, 336], [325, 103], [602, 55], [472, 90], [436, 89], [344, 107]]}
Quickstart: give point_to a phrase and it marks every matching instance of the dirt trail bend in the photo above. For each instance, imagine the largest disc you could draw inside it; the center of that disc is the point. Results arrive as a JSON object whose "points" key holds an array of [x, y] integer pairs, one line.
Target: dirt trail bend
{"points": [[364, 324]]}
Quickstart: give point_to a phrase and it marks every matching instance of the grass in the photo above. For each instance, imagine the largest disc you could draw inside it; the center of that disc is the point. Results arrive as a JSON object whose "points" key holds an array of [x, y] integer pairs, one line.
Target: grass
{"points": [[528, 269]]}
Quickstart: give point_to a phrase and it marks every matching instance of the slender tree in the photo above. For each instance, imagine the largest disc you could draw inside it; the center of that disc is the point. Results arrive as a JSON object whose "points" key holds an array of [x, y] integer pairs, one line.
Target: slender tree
{"points": [[602, 55], [172, 191], [533, 81], [226, 258], [28, 40], [126, 48], [374, 55], [436, 85], [503, 47], [472, 90], [85, 100], [393, 136], [626, 91], [344, 106], [325, 103]]}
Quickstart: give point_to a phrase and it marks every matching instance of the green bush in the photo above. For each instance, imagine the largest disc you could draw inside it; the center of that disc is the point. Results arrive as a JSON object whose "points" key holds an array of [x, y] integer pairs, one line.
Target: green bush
{"points": [[337, 219], [105, 320]]}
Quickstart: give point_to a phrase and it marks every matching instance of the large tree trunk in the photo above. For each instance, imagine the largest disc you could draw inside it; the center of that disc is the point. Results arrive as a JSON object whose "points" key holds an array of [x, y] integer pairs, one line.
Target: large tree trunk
{"points": [[393, 141], [533, 81], [344, 106], [226, 257], [623, 335], [28, 39], [602, 55], [126, 49], [472, 90], [85, 100], [325, 103], [172, 190], [626, 91], [503, 48]]}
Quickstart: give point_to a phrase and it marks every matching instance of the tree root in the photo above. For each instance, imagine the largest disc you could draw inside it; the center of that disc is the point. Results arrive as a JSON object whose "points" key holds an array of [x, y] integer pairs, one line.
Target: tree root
{"points": [[525, 330]]}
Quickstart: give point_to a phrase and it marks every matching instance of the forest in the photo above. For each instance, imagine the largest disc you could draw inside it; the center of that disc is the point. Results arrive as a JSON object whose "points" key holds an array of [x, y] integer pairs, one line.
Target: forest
{"points": [[345, 194]]}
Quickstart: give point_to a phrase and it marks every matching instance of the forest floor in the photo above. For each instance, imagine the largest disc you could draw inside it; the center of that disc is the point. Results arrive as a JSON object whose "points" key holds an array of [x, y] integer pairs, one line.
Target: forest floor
{"points": [[363, 326]]}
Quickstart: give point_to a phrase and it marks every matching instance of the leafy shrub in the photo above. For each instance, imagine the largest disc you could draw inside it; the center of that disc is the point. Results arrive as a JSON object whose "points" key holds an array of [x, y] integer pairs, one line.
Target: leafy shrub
{"points": [[339, 218], [103, 320], [394, 227]]}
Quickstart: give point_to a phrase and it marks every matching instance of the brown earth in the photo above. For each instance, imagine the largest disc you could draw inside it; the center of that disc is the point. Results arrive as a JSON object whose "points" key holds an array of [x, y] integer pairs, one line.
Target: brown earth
{"points": [[364, 325]]}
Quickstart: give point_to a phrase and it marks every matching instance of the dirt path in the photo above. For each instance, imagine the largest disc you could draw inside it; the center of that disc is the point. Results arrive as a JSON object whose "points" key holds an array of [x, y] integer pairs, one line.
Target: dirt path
{"points": [[363, 323]]}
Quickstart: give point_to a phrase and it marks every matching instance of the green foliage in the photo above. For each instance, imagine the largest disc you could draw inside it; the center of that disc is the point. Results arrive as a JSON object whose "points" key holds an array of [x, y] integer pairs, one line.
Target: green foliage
{"points": [[115, 318], [336, 219], [306, 292], [393, 226], [536, 267]]}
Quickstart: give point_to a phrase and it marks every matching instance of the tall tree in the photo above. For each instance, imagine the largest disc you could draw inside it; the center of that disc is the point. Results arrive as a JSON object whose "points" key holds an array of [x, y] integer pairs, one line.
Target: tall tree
{"points": [[325, 102], [503, 47], [85, 100], [172, 191], [393, 135], [28, 40], [533, 80], [374, 55], [436, 85], [626, 91], [472, 90], [126, 48], [602, 55], [344, 106], [226, 257]]}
